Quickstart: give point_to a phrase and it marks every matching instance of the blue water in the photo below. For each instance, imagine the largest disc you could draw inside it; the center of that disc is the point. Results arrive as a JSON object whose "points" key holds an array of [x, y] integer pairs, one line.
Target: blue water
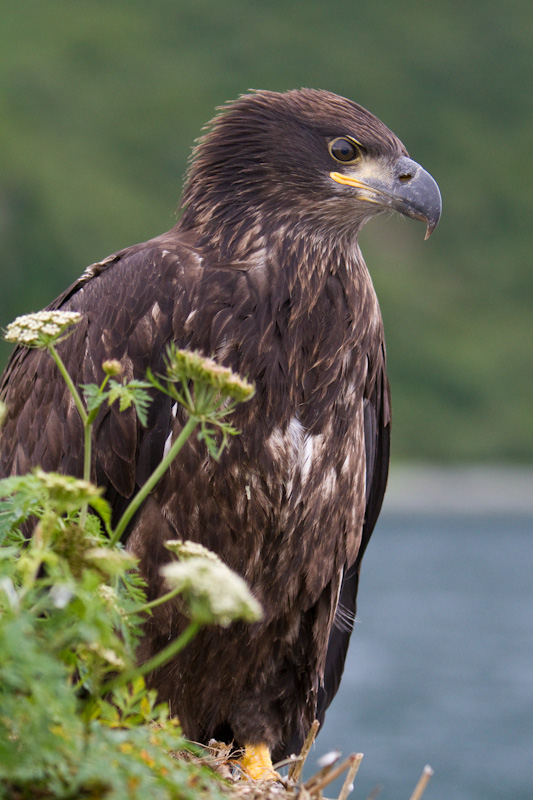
{"points": [[440, 669]]}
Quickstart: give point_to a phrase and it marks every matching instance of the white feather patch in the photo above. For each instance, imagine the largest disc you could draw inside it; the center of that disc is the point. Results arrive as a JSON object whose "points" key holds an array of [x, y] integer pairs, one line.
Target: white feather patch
{"points": [[299, 450], [168, 444]]}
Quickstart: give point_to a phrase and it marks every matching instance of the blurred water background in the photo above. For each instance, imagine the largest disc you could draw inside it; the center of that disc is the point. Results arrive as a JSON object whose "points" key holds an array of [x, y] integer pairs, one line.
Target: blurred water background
{"points": [[440, 665]]}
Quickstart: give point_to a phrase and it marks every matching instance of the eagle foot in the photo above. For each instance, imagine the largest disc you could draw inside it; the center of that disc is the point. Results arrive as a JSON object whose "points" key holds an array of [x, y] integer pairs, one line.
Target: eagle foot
{"points": [[257, 763]]}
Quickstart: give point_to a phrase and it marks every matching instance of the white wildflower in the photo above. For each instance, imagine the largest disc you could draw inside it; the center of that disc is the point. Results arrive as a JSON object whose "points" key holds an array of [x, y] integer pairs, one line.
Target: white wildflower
{"points": [[184, 365], [65, 492], [190, 549], [54, 482], [50, 330], [40, 329], [107, 654], [61, 595], [213, 592], [112, 562], [108, 595]]}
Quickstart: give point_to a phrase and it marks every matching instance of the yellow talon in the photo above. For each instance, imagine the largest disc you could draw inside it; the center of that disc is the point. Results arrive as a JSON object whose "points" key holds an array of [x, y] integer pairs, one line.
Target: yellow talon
{"points": [[257, 763]]}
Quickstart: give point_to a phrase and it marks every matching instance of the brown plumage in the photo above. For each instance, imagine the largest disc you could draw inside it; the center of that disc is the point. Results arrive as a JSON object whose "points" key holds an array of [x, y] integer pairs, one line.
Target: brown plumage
{"points": [[264, 273]]}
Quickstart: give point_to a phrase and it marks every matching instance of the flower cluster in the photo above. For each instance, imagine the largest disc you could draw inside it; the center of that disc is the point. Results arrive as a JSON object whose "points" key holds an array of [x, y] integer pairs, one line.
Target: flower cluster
{"points": [[66, 490], [111, 561], [185, 365], [40, 329], [106, 653], [109, 596], [188, 549], [214, 594]]}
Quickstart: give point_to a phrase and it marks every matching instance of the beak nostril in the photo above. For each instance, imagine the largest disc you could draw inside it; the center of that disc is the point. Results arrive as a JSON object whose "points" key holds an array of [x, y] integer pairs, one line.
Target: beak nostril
{"points": [[406, 176]]}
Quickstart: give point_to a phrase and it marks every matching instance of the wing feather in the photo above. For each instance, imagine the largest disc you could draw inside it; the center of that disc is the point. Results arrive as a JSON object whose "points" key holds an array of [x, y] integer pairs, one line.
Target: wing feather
{"points": [[377, 449]]}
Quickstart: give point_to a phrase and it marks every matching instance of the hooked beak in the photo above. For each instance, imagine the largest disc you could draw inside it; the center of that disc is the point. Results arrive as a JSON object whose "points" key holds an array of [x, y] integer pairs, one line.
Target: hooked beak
{"points": [[405, 187]]}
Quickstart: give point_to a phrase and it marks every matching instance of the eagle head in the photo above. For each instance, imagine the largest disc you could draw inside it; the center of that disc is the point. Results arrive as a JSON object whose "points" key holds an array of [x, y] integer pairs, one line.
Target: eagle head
{"points": [[305, 159]]}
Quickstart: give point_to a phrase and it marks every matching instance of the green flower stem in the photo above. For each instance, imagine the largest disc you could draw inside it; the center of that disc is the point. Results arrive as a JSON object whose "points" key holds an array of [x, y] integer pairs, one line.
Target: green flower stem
{"points": [[153, 480], [164, 655], [70, 383], [157, 602], [86, 424]]}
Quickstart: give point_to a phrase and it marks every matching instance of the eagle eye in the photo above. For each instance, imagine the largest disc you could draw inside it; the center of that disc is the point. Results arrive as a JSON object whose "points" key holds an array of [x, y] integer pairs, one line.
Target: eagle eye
{"points": [[344, 150]]}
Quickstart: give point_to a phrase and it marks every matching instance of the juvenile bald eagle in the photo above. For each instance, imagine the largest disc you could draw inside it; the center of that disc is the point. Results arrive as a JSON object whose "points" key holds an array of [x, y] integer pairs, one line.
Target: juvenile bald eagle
{"points": [[263, 272]]}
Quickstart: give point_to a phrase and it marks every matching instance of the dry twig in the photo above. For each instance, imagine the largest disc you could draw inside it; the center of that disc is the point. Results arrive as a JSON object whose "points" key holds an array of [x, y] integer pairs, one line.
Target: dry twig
{"points": [[347, 786], [296, 768], [422, 783], [329, 774], [221, 758]]}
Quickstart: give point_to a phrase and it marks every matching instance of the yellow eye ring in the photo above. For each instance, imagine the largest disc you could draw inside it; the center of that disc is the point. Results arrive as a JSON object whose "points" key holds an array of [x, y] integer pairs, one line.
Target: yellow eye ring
{"points": [[345, 150]]}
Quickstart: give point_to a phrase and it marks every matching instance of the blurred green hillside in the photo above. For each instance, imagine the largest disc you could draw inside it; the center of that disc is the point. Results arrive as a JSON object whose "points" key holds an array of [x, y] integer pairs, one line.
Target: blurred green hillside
{"points": [[100, 102]]}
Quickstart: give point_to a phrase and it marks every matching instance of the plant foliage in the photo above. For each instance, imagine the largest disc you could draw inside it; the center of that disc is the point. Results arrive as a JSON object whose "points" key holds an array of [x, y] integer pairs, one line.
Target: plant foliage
{"points": [[76, 718]]}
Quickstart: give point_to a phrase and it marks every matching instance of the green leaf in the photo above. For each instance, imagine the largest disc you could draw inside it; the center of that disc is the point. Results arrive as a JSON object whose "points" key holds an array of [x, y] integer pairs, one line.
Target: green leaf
{"points": [[93, 396], [131, 393], [103, 509]]}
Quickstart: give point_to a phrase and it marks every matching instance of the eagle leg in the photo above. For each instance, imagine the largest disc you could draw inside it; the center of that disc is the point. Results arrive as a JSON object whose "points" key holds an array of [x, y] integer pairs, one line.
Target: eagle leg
{"points": [[257, 763]]}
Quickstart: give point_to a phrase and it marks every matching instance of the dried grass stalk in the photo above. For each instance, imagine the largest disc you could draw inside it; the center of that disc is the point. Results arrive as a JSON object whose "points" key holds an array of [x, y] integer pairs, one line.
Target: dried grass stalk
{"points": [[420, 787], [296, 768]]}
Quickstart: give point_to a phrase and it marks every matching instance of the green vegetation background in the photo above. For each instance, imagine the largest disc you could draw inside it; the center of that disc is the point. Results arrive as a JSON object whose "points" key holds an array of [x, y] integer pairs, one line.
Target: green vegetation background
{"points": [[101, 100]]}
